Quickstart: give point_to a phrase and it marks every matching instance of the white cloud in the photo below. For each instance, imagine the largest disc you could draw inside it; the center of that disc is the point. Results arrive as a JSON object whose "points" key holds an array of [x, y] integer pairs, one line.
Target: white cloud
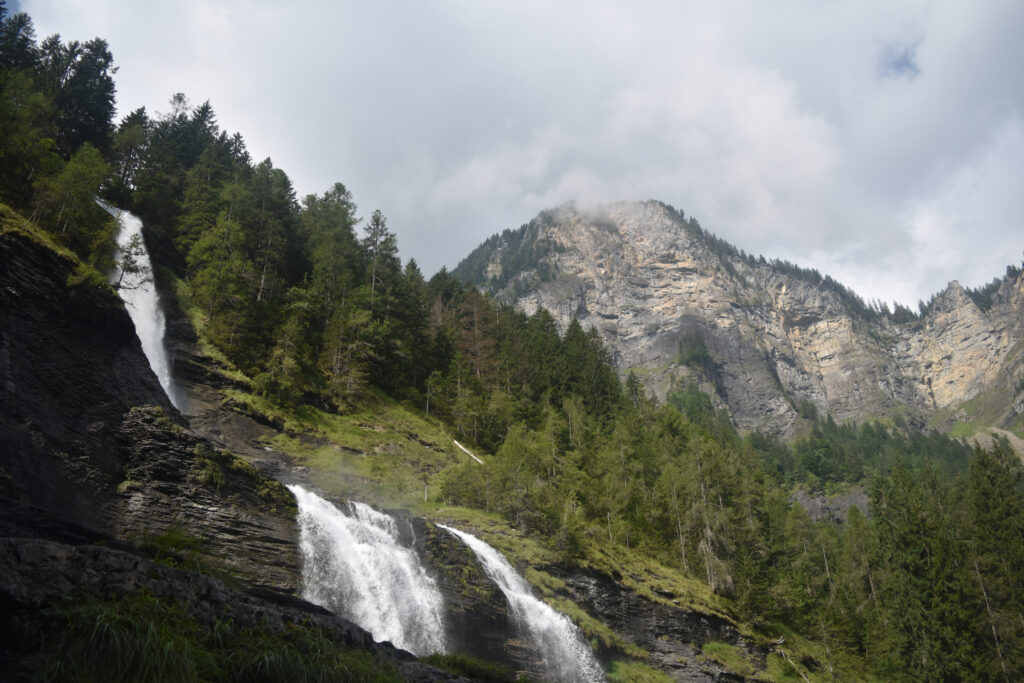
{"points": [[776, 124], [963, 220]]}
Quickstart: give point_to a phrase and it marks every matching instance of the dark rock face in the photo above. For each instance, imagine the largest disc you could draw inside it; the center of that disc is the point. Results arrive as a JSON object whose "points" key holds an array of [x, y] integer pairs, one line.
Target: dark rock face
{"points": [[479, 622], [672, 636], [71, 366], [98, 469], [36, 572], [77, 442], [242, 521]]}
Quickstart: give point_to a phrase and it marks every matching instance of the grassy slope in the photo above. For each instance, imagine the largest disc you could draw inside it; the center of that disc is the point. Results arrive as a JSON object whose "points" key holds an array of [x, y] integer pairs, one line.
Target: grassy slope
{"points": [[393, 456]]}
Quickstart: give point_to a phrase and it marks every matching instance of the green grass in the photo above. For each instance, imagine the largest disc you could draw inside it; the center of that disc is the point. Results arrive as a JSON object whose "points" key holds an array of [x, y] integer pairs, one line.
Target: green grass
{"points": [[12, 222], [622, 671], [142, 638], [470, 667], [389, 455], [729, 656], [963, 430], [221, 364], [652, 579], [82, 274], [779, 669], [522, 551], [643, 371]]}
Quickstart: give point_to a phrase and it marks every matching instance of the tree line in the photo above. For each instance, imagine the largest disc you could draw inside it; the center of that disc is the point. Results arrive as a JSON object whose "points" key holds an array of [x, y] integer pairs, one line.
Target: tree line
{"points": [[312, 302]]}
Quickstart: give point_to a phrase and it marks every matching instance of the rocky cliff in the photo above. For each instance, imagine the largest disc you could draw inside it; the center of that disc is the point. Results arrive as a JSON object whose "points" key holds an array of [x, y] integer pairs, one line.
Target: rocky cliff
{"points": [[109, 502], [88, 434], [768, 340]]}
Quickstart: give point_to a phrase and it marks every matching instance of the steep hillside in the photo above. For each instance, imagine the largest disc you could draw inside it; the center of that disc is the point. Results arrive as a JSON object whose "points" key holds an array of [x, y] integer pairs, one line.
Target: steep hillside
{"points": [[770, 341], [131, 548]]}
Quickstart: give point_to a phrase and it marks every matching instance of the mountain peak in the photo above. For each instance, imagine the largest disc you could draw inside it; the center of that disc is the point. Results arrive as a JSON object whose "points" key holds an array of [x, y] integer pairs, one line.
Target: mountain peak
{"points": [[776, 340]]}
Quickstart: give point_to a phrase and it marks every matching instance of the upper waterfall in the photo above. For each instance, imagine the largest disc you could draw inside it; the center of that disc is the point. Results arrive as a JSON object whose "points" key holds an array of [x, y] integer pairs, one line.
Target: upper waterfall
{"points": [[567, 655], [354, 564], [140, 297]]}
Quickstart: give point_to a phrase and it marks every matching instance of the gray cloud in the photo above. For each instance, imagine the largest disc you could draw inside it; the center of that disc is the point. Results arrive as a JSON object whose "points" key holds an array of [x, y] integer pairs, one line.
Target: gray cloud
{"points": [[882, 143]]}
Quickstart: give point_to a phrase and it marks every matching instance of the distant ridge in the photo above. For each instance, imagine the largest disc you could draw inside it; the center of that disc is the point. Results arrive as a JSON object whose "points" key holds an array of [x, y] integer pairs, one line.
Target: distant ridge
{"points": [[769, 340]]}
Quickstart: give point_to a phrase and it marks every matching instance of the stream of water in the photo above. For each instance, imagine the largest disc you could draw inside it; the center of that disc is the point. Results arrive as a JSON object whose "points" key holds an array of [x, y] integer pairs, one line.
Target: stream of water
{"points": [[567, 655], [355, 564], [143, 303]]}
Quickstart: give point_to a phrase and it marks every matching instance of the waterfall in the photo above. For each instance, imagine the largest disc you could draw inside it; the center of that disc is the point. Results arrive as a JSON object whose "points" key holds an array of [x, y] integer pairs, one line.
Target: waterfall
{"points": [[354, 564], [567, 655], [140, 298]]}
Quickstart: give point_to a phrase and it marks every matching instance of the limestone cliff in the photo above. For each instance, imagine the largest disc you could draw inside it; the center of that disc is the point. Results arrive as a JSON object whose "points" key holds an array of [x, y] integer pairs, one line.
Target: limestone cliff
{"points": [[768, 340]]}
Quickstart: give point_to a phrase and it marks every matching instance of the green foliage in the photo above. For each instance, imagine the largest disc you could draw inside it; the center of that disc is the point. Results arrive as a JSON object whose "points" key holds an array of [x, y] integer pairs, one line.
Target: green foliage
{"points": [[79, 78], [86, 276], [693, 352], [851, 452], [728, 656], [141, 638], [984, 297], [806, 409], [624, 671], [128, 263], [209, 466], [56, 104], [472, 668], [525, 249], [65, 205], [697, 407]]}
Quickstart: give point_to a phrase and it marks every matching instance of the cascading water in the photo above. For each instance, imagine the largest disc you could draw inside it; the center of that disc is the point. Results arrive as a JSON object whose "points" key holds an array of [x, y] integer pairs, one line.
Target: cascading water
{"points": [[354, 564], [143, 304], [567, 656]]}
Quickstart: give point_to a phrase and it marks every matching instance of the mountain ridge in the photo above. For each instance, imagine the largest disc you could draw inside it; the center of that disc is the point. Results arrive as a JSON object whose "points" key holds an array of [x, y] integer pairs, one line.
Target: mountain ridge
{"points": [[772, 342]]}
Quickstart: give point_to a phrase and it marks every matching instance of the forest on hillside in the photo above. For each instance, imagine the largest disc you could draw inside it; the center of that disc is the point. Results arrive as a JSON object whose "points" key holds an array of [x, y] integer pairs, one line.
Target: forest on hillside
{"points": [[310, 301]]}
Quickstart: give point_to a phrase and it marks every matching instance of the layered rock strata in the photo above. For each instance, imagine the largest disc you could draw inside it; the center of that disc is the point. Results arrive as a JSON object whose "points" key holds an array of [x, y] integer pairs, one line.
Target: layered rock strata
{"points": [[776, 340], [88, 435]]}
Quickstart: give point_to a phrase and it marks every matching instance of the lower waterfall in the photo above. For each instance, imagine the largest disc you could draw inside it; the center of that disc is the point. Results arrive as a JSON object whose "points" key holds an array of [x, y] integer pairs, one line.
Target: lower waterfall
{"points": [[354, 564], [567, 655]]}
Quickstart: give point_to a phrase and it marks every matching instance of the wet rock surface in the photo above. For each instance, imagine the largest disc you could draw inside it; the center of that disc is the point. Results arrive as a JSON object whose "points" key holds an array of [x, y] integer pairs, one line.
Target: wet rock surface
{"points": [[672, 636], [479, 618]]}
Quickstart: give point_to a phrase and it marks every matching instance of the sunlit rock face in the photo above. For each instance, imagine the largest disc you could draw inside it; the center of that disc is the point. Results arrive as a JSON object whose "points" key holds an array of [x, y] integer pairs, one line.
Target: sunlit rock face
{"points": [[777, 342]]}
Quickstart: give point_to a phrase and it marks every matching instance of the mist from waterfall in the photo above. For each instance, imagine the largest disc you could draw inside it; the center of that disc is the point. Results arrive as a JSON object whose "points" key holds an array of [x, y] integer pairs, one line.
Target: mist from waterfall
{"points": [[355, 564], [567, 655], [140, 297]]}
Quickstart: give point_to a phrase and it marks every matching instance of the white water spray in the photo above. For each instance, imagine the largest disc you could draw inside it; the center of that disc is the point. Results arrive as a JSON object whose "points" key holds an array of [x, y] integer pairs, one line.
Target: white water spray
{"points": [[354, 564], [567, 656], [143, 304]]}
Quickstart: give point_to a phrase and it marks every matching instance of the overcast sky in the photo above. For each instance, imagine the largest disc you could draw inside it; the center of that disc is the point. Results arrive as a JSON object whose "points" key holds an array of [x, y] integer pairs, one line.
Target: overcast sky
{"points": [[880, 142]]}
